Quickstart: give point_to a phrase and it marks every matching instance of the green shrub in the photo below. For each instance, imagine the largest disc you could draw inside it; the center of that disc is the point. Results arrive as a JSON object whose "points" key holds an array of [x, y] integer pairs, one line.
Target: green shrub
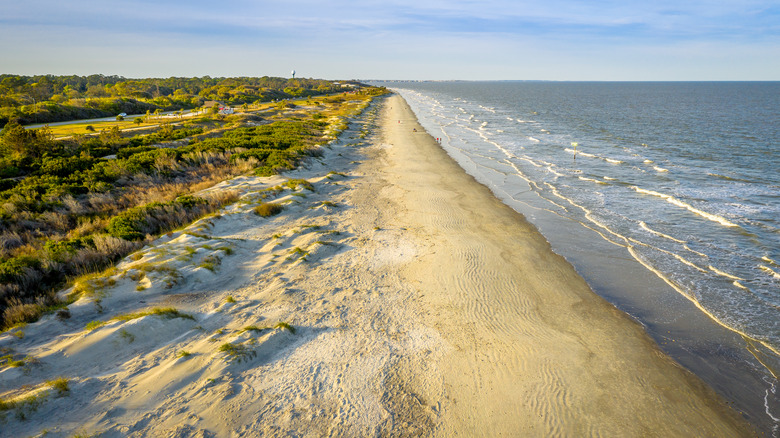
{"points": [[267, 209], [125, 153], [295, 183], [16, 268]]}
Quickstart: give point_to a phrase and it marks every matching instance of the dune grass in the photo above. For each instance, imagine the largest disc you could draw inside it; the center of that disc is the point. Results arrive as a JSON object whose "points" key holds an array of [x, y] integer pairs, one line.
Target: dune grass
{"points": [[164, 312], [285, 326], [237, 352]]}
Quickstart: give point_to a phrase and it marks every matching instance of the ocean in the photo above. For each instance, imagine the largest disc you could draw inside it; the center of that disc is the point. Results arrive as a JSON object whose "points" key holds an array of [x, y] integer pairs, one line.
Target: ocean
{"points": [[665, 196]]}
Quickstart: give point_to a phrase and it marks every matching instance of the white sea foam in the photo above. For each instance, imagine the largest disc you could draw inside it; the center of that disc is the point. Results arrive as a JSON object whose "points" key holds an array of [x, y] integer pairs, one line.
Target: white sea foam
{"points": [[769, 271], [658, 233], [660, 169], [536, 140], [696, 252], [609, 178], [770, 261], [724, 274], [675, 255], [583, 178], [610, 160], [553, 171], [533, 163], [672, 200], [648, 161]]}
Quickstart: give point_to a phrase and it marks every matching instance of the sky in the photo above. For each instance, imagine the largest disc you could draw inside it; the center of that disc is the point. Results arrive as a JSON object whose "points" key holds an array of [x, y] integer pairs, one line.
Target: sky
{"points": [[560, 40]]}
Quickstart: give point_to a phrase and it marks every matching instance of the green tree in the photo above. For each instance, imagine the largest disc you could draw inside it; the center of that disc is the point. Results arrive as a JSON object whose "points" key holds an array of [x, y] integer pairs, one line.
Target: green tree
{"points": [[22, 142]]}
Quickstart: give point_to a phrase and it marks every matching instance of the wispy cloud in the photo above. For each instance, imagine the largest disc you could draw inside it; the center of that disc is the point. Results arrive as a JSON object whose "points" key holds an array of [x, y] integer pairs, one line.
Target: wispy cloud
{"points": [[340, 33]]}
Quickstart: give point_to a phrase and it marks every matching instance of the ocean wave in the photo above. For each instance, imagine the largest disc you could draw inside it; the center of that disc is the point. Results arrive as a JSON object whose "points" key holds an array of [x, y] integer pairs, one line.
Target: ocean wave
{"points": [[724, 274], [584, 178], [553, 171], [658, 233], [674, 201], [729, 178], [680, 258], [613, 161], [696, 252], [533, 163], [660, 169], [535, 140], [769, 271]]}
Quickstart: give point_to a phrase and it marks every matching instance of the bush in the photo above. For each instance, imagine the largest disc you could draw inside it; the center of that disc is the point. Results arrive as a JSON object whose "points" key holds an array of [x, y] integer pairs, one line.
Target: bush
{"points": [[157, 217], [19, 313], [17, 268], [268, 209]]}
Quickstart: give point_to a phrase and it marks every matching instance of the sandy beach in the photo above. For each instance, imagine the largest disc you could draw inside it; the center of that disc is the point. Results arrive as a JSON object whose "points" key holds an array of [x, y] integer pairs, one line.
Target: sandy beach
{"points": [[394, 297]]}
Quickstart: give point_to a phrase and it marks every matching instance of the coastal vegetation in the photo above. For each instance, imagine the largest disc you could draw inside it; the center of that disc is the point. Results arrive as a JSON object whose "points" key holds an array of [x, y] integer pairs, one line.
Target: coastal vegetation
{"points": [[48, 98], [73, 206]]}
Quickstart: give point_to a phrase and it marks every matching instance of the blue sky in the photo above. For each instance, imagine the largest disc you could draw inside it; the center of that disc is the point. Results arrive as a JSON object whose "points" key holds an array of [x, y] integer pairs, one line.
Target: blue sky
{"points": [[396, 39]]}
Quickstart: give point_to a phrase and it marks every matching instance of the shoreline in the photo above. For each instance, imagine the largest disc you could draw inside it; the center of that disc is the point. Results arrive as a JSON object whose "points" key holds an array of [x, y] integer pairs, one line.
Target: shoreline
{"points": [[559, 313], [739, 369], [397, 296]]}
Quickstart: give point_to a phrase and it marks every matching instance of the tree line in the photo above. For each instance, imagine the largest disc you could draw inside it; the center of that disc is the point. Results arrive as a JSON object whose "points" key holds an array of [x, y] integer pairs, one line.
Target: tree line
{"points": [[49, 98]]}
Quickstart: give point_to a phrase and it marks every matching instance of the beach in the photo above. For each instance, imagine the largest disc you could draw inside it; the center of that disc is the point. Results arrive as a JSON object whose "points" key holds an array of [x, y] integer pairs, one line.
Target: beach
{"points": [[394, 297]]}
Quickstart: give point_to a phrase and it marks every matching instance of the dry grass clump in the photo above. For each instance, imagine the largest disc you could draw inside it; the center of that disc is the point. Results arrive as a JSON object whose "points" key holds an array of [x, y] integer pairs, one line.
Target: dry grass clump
{"points": [[9, 361], [21, 313], [211, 263], [295, 183], [285, 326], [164, 312], [237, 352], [267, 209], [60, 384]]}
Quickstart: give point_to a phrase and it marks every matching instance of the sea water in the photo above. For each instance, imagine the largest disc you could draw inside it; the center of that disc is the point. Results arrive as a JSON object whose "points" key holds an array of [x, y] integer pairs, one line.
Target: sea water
{"points": [[674, 185]]}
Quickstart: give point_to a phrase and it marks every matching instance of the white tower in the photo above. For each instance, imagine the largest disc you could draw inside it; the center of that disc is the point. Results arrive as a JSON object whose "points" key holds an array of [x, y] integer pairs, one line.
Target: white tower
{"points": [[293, 74]]}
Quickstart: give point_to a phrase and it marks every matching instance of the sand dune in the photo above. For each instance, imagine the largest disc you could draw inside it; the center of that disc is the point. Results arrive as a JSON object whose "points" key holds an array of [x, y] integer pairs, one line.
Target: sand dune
{"points": [[398, 298]]}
